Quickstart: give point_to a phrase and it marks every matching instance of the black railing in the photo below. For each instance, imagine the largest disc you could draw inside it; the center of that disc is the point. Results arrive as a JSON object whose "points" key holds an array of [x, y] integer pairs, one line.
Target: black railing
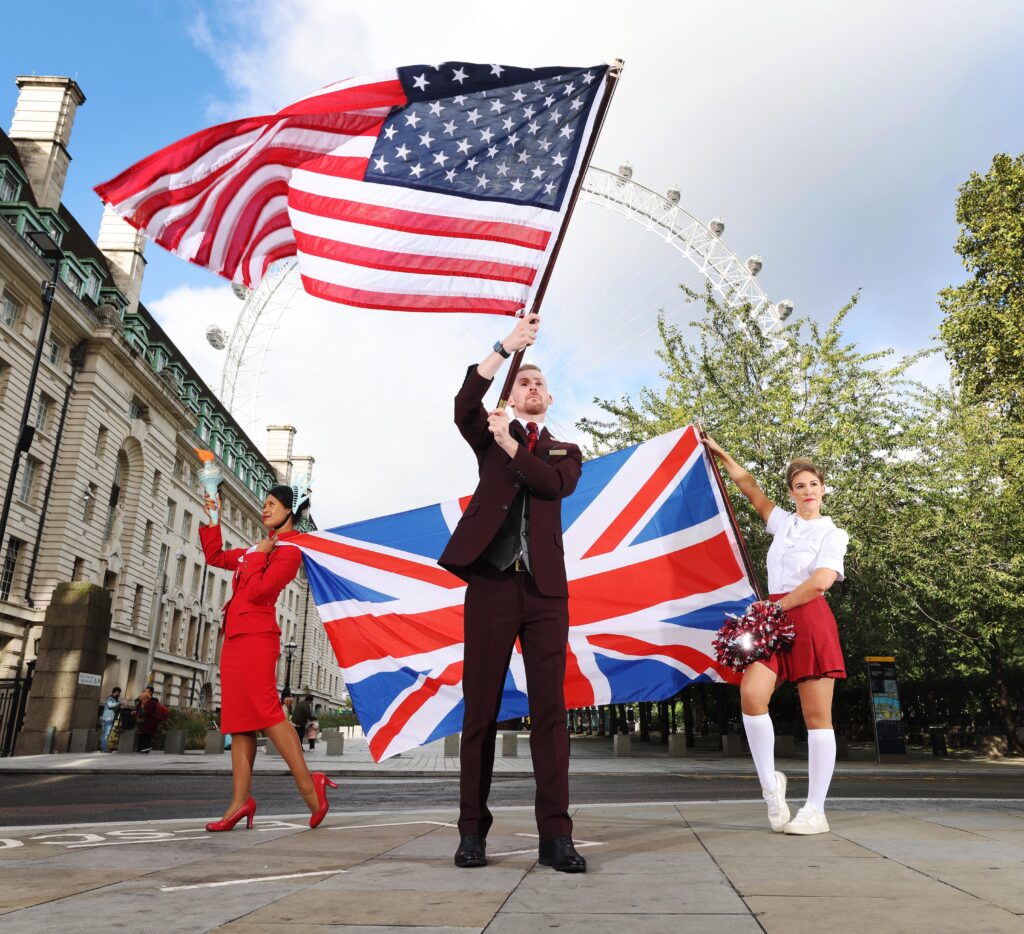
{"points": [[13, 698]]}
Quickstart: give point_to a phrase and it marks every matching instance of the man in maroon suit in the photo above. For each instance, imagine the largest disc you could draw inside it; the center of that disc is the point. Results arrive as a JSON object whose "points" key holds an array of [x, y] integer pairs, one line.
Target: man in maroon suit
{"points": [[508, 547]]}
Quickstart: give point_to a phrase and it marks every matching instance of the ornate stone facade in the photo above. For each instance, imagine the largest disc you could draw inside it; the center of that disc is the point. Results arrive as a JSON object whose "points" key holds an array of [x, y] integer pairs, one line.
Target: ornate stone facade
{"points": [[108, 491]]}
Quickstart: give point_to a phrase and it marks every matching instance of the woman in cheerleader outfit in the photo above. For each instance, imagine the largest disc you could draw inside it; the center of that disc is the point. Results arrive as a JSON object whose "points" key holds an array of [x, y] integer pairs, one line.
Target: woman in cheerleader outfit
{"points": [[252, 646], [805, 559]]}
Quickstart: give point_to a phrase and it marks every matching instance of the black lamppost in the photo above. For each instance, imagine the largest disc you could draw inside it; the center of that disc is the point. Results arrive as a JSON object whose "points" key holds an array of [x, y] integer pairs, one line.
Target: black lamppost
{"points": [[289, 653], [49, 248]]}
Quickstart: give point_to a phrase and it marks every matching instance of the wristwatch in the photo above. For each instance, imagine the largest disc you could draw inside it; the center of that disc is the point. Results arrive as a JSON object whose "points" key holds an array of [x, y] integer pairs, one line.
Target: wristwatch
{"points": [[499, 348]]}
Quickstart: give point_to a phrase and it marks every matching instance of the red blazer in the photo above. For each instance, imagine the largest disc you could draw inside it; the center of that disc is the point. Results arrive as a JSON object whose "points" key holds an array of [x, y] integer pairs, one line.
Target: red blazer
{"points": [[258, 581], [549, 474]]}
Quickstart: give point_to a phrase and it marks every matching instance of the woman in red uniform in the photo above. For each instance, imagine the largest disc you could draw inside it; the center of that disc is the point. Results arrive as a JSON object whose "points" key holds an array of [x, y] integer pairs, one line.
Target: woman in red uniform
{"points": [[252, 646], [805, 559]]}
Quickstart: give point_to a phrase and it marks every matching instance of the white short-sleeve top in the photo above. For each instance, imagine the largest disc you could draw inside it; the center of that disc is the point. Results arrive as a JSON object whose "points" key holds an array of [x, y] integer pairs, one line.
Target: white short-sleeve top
{"points": [[800, 547]]}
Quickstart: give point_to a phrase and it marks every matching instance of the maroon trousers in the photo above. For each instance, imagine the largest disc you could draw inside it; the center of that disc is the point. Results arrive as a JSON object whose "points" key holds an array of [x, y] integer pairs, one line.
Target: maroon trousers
{"points": [[502, 606]]}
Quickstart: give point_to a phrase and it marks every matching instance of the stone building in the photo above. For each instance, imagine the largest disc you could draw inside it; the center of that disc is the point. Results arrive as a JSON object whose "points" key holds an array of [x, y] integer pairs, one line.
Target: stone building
{"points": [[108, 491]]}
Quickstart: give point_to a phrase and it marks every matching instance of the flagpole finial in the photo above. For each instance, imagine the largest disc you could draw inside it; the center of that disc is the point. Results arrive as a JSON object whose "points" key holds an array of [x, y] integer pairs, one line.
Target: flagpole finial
{"points": [[615, 69]]}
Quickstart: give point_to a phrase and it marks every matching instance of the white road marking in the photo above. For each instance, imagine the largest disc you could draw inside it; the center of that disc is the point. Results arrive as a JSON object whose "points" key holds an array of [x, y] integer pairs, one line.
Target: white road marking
{"points": [[404, 823], [218, 885]]}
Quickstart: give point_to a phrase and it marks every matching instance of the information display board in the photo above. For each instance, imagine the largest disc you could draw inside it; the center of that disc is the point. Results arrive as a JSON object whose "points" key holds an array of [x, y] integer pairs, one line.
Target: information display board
{"points": [[890, 740]]}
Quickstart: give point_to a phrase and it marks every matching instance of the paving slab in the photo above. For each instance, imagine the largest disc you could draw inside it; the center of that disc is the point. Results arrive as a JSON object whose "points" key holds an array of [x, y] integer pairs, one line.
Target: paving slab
{"points": [[710, 867]]}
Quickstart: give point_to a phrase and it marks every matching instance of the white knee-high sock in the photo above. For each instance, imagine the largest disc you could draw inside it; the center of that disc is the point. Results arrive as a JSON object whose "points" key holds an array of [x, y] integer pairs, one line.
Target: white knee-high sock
{"points": [[821, 760], [761, 739]]}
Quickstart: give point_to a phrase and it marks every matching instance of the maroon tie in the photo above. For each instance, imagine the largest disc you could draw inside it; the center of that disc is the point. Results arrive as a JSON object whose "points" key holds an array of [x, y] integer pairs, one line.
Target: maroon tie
{"points": [[531, 435]]}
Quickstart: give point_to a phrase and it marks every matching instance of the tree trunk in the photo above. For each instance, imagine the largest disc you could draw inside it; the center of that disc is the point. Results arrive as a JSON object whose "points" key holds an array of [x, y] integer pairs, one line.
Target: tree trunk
{"points": [[1006, 712]]}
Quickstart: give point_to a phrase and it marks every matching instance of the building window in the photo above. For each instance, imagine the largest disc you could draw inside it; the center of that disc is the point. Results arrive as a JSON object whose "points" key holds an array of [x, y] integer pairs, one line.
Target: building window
{"points": [[179, 574], [138, 410], [101, 441], [223, 592], [5, 372], [136, 607], [196, 574], [90, 502], [9, 188], [54, 350], [8, 311], [157, 480], [78, 569], [92, 287], [186, 525], [10, 567], [43, 405], [169, 520], [179, 467], [28, 479], [208, 592], [147, 538], [73, 279]]}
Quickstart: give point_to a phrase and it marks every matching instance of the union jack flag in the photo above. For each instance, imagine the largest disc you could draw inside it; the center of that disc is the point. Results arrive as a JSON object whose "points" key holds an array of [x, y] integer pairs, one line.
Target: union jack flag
{"points": [[653, 566]]}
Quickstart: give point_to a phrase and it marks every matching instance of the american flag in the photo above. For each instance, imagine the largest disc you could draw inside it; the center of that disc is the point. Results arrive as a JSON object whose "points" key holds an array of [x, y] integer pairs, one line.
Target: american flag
{"points": [[653, 566], [429, 188]]}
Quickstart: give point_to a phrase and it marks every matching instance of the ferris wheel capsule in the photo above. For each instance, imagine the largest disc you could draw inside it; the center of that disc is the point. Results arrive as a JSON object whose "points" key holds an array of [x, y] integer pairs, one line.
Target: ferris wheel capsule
{"points": [[717, 226], [755, 264], [784, 309], [625, 171], [673, 194], [241, 292], [216, 337]]}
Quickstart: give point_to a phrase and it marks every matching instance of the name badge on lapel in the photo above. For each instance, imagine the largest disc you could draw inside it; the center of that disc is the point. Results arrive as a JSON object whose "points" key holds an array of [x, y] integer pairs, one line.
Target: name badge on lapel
{"points": [[557, 452]]}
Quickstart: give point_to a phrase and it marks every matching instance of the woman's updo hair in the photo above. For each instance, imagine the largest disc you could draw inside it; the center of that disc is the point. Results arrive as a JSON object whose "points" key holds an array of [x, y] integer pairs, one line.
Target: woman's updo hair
{"points": [[799, 466]]}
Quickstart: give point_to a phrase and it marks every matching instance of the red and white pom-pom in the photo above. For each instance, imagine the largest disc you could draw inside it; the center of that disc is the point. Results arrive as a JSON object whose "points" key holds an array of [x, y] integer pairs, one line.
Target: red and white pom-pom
{"points": [[756, 635]]}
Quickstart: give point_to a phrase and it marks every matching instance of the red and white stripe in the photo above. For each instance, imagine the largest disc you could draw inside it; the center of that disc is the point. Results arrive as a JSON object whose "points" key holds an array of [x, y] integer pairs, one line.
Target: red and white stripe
{"points": [[219, 198]]}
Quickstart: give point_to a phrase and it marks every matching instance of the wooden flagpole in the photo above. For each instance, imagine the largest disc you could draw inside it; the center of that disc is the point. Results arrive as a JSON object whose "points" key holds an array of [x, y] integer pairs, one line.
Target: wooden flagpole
{"points": [[748, 566], [610, 82]]}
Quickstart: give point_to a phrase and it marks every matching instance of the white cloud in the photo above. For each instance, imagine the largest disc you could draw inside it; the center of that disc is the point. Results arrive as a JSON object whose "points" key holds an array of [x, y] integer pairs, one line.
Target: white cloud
{"points": [[830, 138]]}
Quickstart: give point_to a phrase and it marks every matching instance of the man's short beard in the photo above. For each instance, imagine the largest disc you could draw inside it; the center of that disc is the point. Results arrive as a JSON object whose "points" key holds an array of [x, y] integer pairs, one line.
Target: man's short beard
{"points": [[537, 407]]}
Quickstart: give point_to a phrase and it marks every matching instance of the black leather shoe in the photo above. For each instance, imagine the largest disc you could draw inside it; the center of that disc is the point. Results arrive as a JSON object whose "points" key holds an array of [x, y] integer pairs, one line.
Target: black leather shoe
{"points": [[561, 855], [470, 853]]}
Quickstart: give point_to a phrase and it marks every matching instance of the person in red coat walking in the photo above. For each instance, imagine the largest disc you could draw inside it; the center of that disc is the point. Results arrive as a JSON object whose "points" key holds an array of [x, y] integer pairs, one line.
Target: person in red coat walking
{"points": [[508, 548], [252, 646]]}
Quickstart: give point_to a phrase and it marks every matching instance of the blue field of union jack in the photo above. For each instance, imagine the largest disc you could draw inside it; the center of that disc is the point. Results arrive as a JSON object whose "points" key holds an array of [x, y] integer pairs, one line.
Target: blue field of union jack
{"points": [[653, 566]]}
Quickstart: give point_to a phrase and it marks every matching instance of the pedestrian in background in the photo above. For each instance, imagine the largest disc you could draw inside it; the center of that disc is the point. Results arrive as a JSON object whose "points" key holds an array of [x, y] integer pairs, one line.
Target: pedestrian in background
{"points": [[312, 732], [149, 714], [301, 716], [109, 718]]}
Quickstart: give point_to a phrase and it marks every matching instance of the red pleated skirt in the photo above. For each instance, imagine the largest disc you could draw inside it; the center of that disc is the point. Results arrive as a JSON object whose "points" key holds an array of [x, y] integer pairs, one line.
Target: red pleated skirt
{"points": [[815, 652], [248, 683]]}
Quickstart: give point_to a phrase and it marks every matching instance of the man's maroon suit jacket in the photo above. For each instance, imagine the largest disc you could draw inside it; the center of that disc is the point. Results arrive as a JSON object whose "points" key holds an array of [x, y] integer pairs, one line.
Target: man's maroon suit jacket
{"points": [[548, 474]]}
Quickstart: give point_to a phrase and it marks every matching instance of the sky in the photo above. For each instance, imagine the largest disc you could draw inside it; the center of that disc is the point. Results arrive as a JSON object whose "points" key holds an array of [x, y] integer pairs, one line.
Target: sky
{"points": [[830, 137]]}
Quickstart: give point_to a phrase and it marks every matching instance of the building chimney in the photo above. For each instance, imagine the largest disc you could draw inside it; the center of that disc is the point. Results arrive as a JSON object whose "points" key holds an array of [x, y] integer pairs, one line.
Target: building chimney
{"points": [[41, 130], [302, 469], [122, 245], [279, 450]]}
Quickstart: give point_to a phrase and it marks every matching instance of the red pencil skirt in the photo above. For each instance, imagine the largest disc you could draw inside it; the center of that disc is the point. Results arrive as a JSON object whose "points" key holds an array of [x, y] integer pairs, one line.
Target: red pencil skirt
{"points": [[248, 683], [815, 652]]}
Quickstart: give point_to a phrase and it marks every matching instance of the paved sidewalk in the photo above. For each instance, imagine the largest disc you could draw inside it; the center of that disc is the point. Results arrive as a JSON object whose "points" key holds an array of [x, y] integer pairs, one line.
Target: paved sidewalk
{"points": [[589, 756], [900, 867]]}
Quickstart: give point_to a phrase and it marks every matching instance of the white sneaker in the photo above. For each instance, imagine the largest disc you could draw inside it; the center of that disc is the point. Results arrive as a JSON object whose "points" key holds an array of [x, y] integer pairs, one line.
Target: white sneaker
{"points": [[809, 820], [778, 810]]}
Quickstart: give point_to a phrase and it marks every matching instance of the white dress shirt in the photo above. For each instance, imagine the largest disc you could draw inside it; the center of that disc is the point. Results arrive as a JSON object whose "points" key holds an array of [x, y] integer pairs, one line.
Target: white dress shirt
{"points": [[800, 547]]}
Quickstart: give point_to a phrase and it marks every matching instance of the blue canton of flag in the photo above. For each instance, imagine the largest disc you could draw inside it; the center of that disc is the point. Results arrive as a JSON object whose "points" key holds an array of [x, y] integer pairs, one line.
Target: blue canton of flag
{"points": [[487, 131]]}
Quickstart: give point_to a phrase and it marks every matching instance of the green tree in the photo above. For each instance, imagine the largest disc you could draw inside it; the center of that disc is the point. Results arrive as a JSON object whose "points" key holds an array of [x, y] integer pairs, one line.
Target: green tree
{"points": [[983, 324], [801, 392], [958, 558]]}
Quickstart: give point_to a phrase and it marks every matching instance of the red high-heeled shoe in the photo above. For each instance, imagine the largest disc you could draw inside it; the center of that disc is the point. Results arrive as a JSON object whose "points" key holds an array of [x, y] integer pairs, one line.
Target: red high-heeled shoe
{"points": [[247, 810], [320, 783]]}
